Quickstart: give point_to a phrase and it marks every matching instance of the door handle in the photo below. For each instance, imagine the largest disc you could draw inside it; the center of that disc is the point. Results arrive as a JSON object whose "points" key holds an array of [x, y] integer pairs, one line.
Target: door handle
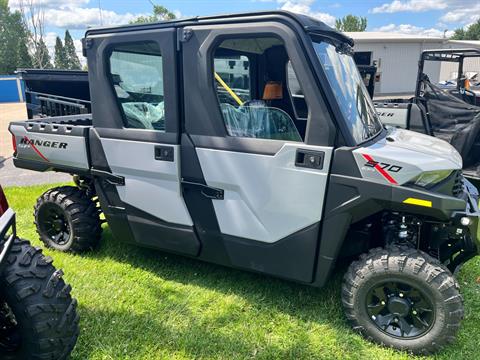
{"points": [[310, 159], [164, 153], [207, 191], [112, 179]]}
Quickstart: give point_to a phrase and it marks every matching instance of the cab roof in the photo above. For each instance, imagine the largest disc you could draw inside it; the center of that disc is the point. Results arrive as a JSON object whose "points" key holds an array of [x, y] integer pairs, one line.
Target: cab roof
{"points": [[310, 24]]}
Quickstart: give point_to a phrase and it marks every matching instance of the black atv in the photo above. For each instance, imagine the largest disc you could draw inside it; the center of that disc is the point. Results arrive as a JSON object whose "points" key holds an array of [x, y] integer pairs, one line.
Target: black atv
{"points": [[38, 318]]}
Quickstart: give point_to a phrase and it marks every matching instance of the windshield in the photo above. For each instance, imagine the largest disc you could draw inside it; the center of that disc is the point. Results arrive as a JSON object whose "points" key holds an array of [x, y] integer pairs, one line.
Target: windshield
{"points": [[350, 91]]}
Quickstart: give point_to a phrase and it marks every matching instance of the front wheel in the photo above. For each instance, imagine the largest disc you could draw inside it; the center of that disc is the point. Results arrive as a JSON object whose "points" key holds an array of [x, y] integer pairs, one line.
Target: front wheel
{"points": [[403, 298]]}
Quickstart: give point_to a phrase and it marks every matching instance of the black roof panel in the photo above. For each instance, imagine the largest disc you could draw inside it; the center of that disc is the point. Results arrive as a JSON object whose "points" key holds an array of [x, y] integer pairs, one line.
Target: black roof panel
{"points": [[308, 23]]}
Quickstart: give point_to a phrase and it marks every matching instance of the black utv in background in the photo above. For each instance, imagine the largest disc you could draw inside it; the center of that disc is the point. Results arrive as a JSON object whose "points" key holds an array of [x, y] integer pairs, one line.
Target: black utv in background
{"points": [[38, 318]]}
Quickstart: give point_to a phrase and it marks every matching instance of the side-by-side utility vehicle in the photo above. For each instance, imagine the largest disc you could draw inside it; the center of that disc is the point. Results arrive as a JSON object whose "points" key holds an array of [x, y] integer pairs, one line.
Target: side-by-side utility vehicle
{"points": [[38, 318], [200, 144], [449, 110]]}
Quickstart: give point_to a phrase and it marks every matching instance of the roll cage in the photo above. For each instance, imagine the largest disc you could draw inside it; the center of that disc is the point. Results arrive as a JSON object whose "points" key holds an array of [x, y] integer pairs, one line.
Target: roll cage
{"points": [[446, 55]]}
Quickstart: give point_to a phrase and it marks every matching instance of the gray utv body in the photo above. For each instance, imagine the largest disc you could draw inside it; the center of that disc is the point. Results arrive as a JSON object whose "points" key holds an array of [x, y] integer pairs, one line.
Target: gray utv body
{"points": [[280, 207], [250, 141]]}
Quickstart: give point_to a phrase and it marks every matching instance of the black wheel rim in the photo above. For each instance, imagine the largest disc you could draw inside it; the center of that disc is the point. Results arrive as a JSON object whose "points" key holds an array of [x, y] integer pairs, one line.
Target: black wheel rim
{"points": [[54, 224], [400, 310], [10, 339]]}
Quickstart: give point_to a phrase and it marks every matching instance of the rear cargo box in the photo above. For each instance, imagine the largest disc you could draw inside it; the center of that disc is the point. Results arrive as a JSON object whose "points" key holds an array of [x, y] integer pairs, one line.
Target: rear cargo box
{"points": [[58, 144]]}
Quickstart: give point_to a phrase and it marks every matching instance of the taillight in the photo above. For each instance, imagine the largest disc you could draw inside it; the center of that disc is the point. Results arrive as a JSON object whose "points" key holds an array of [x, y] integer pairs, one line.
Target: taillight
{"points": [[14, 144], [3, 202]]}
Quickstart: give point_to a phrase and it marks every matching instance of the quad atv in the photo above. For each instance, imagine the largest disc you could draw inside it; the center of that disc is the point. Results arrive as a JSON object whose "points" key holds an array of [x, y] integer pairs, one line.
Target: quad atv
{"points": [[251, 141], [38, 318]]}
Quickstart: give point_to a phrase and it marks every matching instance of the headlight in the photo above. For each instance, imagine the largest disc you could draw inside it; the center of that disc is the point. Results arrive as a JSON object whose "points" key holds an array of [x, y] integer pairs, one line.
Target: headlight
{"points": [[431, 178]]}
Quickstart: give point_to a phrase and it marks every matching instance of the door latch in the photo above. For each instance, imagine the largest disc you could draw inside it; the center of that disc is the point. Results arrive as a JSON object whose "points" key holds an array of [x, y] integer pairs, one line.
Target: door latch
{"points": [[164, 153], [112, 179], [310, 159], [205, 190]]}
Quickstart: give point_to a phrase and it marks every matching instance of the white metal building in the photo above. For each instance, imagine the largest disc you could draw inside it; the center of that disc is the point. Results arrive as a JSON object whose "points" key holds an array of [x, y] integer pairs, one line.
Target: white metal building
{"points": [[396, 57]]}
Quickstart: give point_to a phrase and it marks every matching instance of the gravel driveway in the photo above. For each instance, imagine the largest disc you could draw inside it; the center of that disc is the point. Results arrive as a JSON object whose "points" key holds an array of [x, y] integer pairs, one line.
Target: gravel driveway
{"points": [[11, 176]]}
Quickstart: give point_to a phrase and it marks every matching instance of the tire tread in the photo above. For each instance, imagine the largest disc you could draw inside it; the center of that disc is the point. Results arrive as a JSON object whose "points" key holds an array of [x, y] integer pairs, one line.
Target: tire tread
{"points": [[412, 262], [83, 212], [38, 306]]}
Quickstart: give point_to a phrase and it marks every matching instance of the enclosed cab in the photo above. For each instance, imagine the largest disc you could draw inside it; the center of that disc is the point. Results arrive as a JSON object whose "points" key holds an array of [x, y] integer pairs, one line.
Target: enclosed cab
{"points": [[251, 141]]}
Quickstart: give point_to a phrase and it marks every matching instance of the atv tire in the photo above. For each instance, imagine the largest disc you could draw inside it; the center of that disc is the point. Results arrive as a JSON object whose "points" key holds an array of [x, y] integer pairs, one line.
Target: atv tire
{"points": [[68, 220], [38, 314], [404, 299]]}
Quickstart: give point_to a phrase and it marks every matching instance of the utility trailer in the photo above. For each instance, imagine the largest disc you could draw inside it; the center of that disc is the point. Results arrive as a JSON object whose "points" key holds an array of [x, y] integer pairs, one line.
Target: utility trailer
{"points": [[450, 112], [199, 145]]}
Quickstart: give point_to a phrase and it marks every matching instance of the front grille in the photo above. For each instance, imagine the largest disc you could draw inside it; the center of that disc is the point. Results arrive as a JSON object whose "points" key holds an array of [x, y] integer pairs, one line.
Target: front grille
{"points": [[457, 189]]}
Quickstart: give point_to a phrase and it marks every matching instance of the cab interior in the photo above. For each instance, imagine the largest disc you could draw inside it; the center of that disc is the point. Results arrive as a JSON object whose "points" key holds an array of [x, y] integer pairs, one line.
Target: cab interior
{"points": [[258, 91]]}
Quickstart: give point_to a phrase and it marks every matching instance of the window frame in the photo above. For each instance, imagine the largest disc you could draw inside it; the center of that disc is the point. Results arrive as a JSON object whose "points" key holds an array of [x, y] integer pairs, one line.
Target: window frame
{"points": [[321, 128], [108, 52], [108, 121], [298, 118]]}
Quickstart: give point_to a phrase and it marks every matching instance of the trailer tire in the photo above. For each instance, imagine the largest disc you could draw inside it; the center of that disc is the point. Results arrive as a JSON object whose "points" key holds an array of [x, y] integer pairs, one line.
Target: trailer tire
{"points": [[38, 314], [403, 298], [67, 219]]}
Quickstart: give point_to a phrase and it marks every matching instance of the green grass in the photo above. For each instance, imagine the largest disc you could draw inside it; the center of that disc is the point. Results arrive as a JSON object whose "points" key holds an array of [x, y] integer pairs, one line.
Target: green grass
{"points": [[141, 304]]}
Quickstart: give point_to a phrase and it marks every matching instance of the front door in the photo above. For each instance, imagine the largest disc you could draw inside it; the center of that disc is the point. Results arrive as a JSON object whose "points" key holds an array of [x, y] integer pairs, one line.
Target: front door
{"points": [[136, 138], [253, 165]]}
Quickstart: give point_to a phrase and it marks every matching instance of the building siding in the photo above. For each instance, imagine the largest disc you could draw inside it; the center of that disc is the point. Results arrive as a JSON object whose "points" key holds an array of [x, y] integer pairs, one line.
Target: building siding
{"points": [[397, 65], [11, 89]]}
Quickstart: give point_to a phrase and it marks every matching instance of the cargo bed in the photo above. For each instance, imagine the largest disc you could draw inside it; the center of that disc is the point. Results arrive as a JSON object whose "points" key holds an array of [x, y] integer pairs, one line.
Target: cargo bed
{"points": [[53, 144]]}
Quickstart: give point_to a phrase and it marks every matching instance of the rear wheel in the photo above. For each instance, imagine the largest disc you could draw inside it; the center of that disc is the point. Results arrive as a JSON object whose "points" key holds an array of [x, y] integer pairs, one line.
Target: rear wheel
{"points": [[403, 298], [38, 318], [68, 220]]}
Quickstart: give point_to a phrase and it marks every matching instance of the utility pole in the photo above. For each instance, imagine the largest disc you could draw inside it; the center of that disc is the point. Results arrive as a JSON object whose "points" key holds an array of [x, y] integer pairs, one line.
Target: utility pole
{"points": [[100, 11]]}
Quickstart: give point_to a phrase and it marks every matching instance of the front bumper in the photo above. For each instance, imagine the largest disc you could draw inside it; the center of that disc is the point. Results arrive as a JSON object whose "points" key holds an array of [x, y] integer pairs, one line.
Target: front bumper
{"points": [[8, 233], [467, 225]]}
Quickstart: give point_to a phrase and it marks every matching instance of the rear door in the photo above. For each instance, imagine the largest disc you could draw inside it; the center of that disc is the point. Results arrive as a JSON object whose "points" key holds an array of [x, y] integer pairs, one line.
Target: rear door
{"points": [[136, 138], [255, 173]]}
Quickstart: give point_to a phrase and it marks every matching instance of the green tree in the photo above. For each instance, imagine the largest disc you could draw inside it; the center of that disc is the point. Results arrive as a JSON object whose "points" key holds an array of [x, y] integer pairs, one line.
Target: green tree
{"points": [[72, 61], [351, 23], [471, 33], [13, 40], [7, 58], [459, 34], [24, 59], [60, 55], [42, 59], [160, 13]]}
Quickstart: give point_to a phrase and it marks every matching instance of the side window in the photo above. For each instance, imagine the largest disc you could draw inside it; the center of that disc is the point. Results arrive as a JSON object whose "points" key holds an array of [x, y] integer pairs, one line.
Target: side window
{"points": [[251, 83], [234, 72], [136, 74], [296, 93]]}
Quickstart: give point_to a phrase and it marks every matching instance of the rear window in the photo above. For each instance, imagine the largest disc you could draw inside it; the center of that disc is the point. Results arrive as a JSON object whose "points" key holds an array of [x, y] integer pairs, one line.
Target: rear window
{"points": [[136, 74]]}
